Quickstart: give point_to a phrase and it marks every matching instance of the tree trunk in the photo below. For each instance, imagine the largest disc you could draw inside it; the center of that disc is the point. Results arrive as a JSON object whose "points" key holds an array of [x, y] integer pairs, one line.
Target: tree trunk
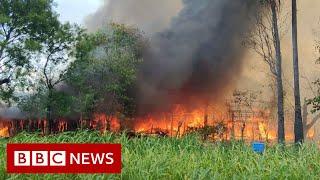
{"points": [[298, 126], [232, 127], [49, 113], [243, 127], [305, 119], [108, 123], [281, 131]]}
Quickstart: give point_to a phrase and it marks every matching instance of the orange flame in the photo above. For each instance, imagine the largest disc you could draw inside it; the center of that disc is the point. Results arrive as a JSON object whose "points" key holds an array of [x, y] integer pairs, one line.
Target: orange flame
{"points": [[4, 132], [176, 123]]}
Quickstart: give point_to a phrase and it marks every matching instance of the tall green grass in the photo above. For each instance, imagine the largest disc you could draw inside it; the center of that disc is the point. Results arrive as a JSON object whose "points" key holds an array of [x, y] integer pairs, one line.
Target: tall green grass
{"points": [[185, 158]]}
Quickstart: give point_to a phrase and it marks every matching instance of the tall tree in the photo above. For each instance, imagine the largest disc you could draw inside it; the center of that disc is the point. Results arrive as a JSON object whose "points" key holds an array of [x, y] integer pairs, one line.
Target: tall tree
{"points": [[55, 57], [22, 24], [298, 125], [276, 37], [105, 69], [265, 41]]}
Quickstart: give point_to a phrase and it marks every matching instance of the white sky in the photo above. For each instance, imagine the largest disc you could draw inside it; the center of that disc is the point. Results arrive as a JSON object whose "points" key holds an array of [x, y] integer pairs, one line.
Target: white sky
{"points": [[75, 11]]}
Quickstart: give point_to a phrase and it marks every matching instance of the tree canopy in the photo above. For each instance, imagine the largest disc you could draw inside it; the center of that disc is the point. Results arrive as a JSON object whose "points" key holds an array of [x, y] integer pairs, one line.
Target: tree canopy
{"points": [[105, 69], [23, 26]]}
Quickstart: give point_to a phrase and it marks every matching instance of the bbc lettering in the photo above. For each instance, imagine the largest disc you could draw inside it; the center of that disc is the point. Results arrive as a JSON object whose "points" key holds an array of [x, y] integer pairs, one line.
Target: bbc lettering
{"points": [[58, 158], [64, 158], [40, 158], [90, 158]]}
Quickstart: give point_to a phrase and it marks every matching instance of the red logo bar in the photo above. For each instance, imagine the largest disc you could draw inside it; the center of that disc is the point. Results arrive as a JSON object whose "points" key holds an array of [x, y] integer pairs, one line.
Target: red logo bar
{"points": [[64, 158]]}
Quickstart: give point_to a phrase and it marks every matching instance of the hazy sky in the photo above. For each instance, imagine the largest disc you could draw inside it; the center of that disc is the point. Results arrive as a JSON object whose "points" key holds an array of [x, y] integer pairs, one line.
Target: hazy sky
{"points": [[308, 20], [76, 10]]}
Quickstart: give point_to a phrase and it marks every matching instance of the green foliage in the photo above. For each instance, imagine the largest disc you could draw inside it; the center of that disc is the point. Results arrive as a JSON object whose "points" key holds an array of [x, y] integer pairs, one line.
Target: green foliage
{"points": [[23, 26], [35, 104], [50, 69], [315, 102], [105, 68], [61, 104], [185, 158], [57, 50], [51, 66]]}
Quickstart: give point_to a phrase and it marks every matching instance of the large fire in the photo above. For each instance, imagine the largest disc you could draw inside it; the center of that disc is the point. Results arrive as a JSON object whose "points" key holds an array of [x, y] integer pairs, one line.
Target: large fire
{"points": [[175, 122], [216, 124], [212, 123]]}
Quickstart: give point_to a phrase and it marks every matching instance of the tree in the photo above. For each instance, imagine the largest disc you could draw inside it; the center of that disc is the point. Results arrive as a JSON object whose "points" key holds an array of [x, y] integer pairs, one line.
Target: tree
{"points": [[315, 102], [55, 56], [76, 76], [281, 132], [298, 125], [22, 26], [315, 87], [34, 104], [305, 113], [265, 41], [105, 70]]}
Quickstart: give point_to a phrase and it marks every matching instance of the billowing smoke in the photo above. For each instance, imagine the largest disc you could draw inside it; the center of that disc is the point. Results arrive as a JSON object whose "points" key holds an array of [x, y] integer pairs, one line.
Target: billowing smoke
{"points": [[149, 15], [196, 57]]}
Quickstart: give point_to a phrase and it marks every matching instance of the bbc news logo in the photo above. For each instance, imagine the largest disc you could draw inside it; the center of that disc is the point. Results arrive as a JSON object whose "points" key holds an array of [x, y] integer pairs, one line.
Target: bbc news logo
{"points": [[64, 158]]}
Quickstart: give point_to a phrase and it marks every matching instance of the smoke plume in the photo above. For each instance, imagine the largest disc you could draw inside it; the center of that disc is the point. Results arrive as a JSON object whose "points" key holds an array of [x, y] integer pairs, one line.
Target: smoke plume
{"points": [[149, 15], [196, 57]]}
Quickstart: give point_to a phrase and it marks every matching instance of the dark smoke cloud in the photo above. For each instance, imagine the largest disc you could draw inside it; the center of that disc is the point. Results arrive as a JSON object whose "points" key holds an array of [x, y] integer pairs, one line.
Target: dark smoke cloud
{"points": [[198, 56]]}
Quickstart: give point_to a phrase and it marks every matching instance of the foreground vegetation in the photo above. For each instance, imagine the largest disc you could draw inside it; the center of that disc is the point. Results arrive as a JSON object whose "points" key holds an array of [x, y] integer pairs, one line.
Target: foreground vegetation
{"points": [[186, 158]]}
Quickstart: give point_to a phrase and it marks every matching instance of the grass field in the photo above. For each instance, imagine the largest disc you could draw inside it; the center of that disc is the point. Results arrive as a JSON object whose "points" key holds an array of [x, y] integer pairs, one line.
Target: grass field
{"points": [[185, 158]]}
